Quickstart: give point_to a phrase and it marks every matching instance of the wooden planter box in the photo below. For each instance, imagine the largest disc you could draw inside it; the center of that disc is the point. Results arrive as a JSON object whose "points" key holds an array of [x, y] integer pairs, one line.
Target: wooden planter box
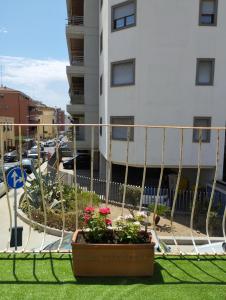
{"points": [[112, 259]]}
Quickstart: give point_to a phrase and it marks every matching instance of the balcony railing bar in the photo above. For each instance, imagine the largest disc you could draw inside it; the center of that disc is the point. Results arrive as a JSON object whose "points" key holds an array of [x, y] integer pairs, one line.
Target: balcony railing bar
{"points": [[160, 184], [25, 189], [7, 191], [42, 191], [213, 187], [127, 169], [75, 175], [145, 168], [193, 196], [77, 60], [196, 189], [109, 165], [59, 180], [92, 162], [127, 126], [76, 20]]}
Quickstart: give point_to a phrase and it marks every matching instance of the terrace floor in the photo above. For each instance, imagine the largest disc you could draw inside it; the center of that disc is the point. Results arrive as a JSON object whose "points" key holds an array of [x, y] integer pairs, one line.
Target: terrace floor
{"points": [[49, 276]]}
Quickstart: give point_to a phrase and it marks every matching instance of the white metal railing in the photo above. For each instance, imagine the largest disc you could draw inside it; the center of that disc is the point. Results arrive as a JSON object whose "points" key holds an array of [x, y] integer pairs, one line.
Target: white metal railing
{"points": [[50, 179], [76, 20], [77, 59]]}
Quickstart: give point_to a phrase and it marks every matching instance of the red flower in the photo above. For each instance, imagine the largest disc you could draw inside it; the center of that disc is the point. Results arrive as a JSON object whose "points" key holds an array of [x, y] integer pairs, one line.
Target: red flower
{"points": [[108, 222], [87, 218], [89, 209], [104, 211]]}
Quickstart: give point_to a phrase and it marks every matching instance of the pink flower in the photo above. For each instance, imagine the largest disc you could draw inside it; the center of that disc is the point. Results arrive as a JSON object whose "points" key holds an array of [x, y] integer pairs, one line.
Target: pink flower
{"points": [[89, 210], [108, 222], [104, 211]]}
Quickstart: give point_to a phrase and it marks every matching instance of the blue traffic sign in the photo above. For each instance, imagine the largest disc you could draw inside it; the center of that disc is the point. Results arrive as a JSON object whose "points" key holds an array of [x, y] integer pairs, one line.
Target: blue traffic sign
{"points": [[15, 178]]}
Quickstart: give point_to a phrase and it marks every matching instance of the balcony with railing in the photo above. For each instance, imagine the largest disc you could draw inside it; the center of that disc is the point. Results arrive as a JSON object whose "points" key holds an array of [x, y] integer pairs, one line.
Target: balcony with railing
{"points": [[77, 96], [76, 91], [191, 215], [76, 15]]}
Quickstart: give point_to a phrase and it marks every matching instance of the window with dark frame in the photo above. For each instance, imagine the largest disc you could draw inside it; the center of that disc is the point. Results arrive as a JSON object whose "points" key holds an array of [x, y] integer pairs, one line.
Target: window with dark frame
{"points": [[123, 73], [101, 84], [124, 15], [121, 133], [203, 134], [205, 71], [208, 12]]}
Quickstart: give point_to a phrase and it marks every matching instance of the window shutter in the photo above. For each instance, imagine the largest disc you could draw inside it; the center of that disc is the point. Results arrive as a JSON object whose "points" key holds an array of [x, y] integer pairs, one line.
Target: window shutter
{"points": [[208, 7], [125, 10], [123, 73]]}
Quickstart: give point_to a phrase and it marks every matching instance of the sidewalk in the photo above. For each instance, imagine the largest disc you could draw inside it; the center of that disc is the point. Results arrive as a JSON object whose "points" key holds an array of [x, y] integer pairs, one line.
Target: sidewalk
{"points": [[36, 237]]}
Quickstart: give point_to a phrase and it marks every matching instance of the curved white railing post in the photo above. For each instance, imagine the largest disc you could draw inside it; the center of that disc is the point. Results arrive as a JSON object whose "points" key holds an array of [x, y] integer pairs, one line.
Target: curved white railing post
{"points": [[75, 175], [5, 183], [213, 189], [126, 172], [91, 167], [25, 189], [109, 128], [160, 184], [145, 169], [59, 181], [177, 187], [41, 189], [223, 223], [196, 189]]}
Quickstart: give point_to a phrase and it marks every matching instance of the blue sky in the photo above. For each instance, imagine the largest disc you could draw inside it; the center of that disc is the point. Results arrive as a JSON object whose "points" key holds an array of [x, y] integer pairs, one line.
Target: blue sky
{"points": [[33, 50]]}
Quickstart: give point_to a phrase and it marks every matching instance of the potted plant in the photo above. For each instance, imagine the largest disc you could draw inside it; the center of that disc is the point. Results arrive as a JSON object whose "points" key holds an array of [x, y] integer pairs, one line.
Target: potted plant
{"points": [[103, 248]]}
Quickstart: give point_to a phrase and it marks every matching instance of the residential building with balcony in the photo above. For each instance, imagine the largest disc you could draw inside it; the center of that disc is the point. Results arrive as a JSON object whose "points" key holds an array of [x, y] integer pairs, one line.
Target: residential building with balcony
{"points": [[46, 115], [160, 63], [82, 32], [20, 107]]}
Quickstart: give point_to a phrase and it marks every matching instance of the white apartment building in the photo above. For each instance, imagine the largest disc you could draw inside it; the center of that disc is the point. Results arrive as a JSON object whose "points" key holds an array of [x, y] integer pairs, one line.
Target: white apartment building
{"points": [[162, 62]]}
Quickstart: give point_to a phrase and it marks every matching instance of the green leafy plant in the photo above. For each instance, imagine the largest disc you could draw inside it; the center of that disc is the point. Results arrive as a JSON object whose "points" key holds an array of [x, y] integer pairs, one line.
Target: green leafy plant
{"points": [[98, 227], [162, 211], [132, 196]]}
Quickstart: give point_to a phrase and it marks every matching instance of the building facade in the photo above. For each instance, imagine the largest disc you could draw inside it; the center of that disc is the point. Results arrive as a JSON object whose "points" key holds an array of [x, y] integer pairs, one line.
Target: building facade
{"points": [[8, 132], [46, 115], [19, 107], [60, 119], [162, 62], [82, 34]]}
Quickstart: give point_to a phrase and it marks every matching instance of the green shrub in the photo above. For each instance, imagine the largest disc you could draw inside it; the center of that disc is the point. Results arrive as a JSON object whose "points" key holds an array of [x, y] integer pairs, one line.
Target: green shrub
{"points": [[162, 210], [132, 195]]}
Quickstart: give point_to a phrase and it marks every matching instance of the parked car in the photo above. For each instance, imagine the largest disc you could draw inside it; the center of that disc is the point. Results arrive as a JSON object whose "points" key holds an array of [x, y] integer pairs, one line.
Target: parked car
{"points": [[50, 144], [82, 162], [65, 150], [12, 156], [2, 188], [218, 248], [27, 163], [33, 152]]}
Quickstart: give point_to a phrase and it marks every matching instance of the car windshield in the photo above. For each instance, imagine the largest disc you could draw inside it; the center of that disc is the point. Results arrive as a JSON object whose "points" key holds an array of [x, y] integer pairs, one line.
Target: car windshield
{"points": [[34, 151]]}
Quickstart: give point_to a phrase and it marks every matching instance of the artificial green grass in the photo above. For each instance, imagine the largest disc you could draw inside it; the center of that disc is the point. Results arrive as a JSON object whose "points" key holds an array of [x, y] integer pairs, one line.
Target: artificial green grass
{"points": [[46, 276]]}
